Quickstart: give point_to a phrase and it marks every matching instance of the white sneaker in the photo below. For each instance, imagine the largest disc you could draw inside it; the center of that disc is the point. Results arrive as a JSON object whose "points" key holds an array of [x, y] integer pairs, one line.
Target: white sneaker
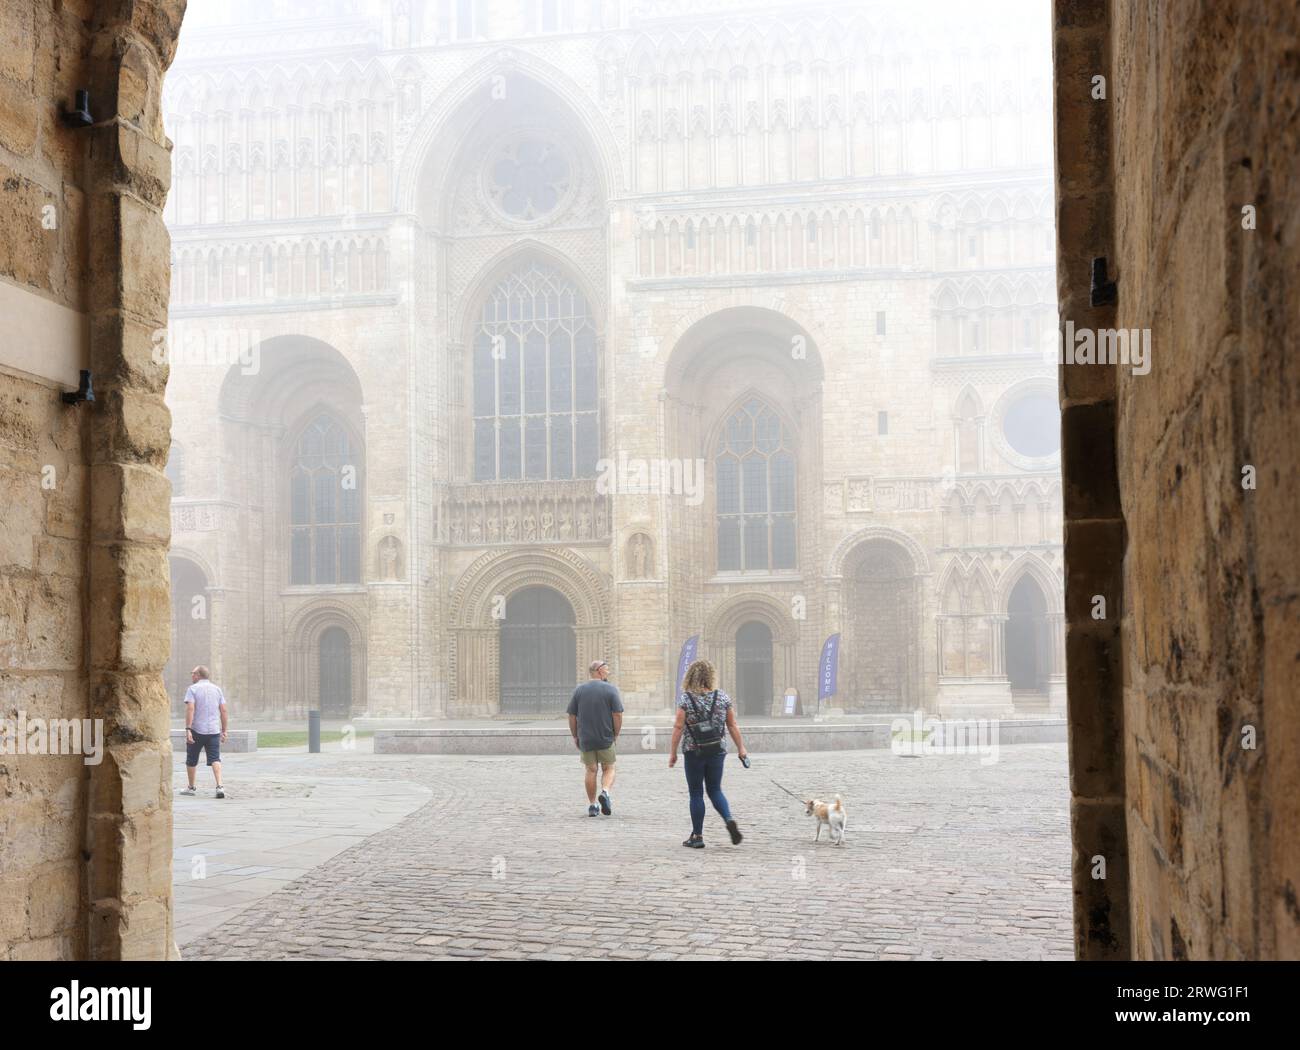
{"points": [[186, 791], [221, 792]]}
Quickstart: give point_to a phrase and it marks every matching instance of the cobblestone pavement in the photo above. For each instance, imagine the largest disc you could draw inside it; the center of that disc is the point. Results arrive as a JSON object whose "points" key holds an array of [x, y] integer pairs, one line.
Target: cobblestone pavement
{"points": [[944, 858]]}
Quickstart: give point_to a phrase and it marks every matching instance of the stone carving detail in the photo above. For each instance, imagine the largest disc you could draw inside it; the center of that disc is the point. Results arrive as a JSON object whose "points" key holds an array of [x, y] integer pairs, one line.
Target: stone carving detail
{"points": [[513, 513], [903, 494], [858, 495], [196, 517]]}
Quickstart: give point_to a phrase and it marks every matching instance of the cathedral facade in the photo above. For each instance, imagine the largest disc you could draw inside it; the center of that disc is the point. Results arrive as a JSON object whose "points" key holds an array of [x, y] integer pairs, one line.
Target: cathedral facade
{"points": [[510, 335]]}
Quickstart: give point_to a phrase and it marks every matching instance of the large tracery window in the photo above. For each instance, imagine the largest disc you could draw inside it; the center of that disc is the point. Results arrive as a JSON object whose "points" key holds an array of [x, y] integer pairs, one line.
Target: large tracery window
{"points": [[536, 392], [754, 467], [325, 506]]}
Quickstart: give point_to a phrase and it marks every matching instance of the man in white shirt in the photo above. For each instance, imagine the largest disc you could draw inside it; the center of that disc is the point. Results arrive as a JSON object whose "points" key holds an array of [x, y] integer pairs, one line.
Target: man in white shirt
{"points": [[205, 727]]}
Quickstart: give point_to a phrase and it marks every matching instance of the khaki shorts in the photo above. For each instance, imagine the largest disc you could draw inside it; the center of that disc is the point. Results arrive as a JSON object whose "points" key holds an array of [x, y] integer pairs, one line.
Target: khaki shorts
{"points": [[604, 757]]}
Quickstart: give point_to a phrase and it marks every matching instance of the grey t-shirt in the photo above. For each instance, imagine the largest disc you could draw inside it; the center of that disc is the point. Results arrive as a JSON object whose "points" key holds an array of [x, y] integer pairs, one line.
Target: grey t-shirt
{"points": [[594, 703]]}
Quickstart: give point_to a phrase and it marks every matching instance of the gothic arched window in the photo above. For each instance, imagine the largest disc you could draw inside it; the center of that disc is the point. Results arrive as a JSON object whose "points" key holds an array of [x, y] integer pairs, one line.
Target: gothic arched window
{"points": [[755, 469], [536, 392], [325, 505]]}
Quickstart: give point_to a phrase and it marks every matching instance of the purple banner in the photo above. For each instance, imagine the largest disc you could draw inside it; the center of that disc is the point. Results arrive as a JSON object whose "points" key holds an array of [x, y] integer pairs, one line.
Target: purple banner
{"points": [[828, 668], [689, 648]]}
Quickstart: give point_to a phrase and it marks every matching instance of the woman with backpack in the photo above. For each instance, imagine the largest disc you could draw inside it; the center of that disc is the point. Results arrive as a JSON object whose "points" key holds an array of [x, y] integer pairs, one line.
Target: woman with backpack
{"points": [[704, 715]]}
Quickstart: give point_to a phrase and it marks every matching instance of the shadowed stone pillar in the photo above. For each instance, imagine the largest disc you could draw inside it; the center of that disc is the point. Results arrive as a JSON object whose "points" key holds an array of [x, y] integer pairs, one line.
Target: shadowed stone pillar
{"points": [[129, 832], [1094, 525]]}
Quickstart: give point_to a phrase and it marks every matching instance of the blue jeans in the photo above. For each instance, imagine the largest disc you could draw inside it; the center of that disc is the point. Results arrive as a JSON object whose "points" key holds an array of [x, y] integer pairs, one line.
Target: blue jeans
{"points": [[705, 774]]}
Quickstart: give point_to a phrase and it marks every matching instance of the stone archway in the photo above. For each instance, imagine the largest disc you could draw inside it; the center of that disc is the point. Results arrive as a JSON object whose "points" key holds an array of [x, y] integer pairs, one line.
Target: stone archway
{"points": [[753, 643], [325, 662], [880, 653], [481, 604]]}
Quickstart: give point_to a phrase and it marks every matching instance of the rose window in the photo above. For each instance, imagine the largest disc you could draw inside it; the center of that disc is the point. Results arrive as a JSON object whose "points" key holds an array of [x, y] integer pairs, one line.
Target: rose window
{"points": [[529, 178]]}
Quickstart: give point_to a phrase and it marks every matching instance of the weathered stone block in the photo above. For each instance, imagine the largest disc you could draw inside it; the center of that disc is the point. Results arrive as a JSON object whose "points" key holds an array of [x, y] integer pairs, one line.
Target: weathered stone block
{"points": [[18, 45], [130, 608], [1100, 904], [1088, 461], [18, 118], [131, 502], [27, 252], [1096, 704], [55, 901]]}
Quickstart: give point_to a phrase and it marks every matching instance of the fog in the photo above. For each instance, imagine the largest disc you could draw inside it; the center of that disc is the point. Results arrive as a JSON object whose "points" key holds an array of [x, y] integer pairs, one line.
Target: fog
{"points": [[509, 337]]}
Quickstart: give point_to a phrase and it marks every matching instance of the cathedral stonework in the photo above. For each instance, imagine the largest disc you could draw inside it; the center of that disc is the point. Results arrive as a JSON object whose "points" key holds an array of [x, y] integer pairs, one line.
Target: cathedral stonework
{"points": [[507, 336]]}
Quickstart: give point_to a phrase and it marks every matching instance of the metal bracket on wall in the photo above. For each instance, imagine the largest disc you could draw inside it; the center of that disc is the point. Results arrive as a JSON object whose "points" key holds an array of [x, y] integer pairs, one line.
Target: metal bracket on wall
{"points": [[79, 116], [1104, 292], [84, 391]]}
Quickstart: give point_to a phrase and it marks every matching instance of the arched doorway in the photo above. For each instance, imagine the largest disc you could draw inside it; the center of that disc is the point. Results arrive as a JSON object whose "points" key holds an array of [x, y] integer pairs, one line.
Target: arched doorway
{"points": [[882, 630], [335, 673], [538, 653], [191, 629], [1026, 637], [754, 668]]}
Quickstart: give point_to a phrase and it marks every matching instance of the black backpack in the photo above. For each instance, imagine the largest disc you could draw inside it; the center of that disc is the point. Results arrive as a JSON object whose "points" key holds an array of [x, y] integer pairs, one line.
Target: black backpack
{"points": [[708, 739]]}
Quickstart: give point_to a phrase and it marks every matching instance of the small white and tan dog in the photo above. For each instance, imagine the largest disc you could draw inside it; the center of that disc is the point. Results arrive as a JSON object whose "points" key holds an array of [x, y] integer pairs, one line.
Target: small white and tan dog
{"points": [[832, 815]]}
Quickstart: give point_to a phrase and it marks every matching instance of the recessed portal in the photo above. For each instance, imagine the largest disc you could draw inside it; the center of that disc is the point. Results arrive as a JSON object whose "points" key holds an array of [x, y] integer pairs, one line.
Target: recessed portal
{"points": [[538, 653], [335, 673], [754, 668], [191, 630], [1027, 637]]}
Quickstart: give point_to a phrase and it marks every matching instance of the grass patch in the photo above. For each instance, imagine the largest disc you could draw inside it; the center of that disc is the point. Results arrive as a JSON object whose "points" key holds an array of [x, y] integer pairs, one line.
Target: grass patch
{"points": [[294, 738]]}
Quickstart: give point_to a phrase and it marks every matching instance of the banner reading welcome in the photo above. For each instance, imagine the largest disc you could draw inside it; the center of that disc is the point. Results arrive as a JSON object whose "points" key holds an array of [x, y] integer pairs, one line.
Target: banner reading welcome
{"points": [[689, 649], [829, 668]]}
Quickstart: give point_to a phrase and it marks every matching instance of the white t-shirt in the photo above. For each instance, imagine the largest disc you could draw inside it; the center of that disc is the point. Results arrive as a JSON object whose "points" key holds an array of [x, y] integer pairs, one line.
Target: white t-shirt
{"points": [[207, 700]]}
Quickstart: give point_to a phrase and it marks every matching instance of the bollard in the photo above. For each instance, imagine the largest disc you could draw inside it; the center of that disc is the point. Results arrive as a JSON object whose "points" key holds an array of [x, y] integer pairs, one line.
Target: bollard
{"points": [[313, 732]]}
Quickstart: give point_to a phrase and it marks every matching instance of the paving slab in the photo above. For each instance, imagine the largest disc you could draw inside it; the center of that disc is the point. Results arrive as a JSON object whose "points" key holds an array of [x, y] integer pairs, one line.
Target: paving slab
{"points": [[281, 820]]}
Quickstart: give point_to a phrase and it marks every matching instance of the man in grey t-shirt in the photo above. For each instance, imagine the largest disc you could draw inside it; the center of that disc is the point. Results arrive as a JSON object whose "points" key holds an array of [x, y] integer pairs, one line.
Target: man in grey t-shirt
{"points": [[595, 720]]}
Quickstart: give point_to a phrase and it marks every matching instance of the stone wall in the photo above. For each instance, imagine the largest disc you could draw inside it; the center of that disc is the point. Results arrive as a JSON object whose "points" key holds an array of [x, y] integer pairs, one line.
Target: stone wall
{"points": [[85, 849], [1198, 652]]}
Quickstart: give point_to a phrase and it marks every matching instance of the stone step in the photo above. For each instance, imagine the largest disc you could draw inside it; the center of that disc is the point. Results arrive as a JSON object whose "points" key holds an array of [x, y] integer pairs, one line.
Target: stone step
{"points": [[238, 741]]}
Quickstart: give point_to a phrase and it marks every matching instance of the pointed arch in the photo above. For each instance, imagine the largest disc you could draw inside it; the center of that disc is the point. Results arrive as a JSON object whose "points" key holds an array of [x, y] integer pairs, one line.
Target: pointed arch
{"points": [[421, 179]]}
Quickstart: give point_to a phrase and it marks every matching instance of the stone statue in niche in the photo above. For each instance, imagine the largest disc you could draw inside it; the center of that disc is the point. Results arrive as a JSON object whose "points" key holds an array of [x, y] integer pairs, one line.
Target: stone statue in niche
{"points": [[409, 95], [640, 551], [390, 549], [548, 525], [564, 521]]}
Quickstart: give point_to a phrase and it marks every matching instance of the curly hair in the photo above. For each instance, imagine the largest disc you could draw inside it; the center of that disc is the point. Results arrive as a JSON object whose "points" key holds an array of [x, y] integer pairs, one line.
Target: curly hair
{"points": [[700, 677]]}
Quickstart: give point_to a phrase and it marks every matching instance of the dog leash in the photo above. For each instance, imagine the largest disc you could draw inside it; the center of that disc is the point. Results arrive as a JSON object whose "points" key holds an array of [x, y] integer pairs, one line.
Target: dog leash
{"points": [[803, 801]]}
